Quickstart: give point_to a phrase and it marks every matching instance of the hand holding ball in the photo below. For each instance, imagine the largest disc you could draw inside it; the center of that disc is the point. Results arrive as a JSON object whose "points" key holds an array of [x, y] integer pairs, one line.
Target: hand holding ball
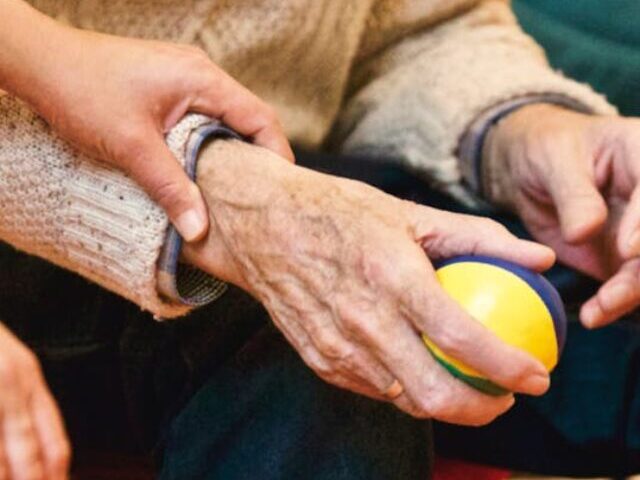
{"points": [[518, 305]]}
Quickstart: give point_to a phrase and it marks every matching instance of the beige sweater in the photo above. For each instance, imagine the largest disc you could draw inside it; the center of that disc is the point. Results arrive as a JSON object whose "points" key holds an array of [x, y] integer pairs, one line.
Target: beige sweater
{"points": [[403, 78]]}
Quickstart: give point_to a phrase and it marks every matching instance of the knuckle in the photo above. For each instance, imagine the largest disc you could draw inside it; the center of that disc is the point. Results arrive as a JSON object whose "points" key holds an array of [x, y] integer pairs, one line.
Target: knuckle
{"points": [[516, 372], [130, 148], [488, 225], [374, 266], [454, 342], [168, 192], [347, 361], [329, 345], [353, 322]]}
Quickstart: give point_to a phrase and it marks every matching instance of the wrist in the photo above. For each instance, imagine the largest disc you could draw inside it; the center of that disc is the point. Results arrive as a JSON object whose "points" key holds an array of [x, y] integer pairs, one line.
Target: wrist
{"points": [[239, 182], [506, 146]]}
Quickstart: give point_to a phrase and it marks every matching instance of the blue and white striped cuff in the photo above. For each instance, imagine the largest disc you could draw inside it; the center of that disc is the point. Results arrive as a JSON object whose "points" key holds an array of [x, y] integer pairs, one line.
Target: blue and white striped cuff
{"points": [[472, 143], [176, 281]]}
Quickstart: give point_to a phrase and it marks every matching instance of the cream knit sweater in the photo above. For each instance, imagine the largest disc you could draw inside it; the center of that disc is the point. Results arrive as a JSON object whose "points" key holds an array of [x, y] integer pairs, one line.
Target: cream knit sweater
{"points": [[401, 78]]}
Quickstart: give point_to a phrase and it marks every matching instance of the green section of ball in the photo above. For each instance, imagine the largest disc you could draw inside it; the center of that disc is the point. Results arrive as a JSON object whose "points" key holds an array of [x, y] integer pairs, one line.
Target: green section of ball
{"points": [[482, 384]]}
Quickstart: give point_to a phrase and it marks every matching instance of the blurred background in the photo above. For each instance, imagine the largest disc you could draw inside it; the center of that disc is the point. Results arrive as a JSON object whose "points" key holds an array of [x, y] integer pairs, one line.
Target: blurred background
{"points": [[595, 41]]}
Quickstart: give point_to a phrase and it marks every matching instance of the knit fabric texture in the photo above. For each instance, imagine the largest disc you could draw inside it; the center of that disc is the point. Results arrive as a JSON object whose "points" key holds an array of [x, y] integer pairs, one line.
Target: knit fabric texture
{"points": [[80, 214], [393, 78]]}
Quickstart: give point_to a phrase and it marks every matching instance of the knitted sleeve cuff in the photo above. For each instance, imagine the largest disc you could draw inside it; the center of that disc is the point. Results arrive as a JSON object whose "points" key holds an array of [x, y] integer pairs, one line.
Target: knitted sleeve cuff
{"points": [[90, 218], [179, 282], [471, 144]]}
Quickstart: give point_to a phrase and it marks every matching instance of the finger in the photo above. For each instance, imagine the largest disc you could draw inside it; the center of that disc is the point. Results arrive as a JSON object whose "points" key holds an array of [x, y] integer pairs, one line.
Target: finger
{"points": [[430, 391], [22, 446], [298, 337], [444, 234], [346, 357], [151, 164], [224, 98], [618, 296], [4, 466], [629, 230], [50, 429], [469, 407], [350, 367], [581, 209], [460, 336]]}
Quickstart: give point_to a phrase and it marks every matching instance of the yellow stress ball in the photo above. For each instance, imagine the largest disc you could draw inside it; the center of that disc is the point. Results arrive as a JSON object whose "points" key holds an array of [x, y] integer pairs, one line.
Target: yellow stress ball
{"points": [[518, 305]]}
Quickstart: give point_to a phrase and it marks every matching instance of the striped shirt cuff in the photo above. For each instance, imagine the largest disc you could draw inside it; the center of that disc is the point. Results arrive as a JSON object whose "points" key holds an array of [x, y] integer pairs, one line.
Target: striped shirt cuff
{"points": [[472, 143], [178, 282]]}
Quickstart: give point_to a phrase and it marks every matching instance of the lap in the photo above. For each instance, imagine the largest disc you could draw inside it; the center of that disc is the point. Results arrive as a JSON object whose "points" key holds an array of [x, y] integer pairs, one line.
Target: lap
{"points": [[263, 414], [232, 397]]}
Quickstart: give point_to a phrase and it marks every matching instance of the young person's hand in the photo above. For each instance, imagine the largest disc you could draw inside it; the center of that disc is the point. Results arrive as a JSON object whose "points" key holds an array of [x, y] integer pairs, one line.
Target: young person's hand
{"points": [[345, 272], [574, 181], [115, 98], [33, 442]]}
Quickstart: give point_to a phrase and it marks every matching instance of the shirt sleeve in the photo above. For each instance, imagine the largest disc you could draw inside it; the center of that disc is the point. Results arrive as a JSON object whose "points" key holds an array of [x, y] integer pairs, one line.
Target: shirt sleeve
{"points": [[179, 282], [90, 218], [415, 99]]}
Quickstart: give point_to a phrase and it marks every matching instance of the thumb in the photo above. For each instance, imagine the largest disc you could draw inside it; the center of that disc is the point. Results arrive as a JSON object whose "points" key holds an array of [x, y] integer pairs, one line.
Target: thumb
{"points": [[444, 234], [580, 207], [617, 297], [158, 172]]}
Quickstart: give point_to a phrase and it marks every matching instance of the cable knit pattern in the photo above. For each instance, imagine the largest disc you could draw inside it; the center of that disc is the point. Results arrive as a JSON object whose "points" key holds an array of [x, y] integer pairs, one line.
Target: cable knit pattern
{"points": [[80, 214], [401, 78]]}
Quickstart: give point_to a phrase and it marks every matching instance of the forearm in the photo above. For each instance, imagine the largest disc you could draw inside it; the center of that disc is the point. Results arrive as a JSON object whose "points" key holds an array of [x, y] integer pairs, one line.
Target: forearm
{"points": [[28, 43]]}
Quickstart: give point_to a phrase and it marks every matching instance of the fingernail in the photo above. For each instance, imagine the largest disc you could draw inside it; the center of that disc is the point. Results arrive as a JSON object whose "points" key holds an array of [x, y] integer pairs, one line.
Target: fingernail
{"points": [[633, 245], [190, 225], [536, 384]]}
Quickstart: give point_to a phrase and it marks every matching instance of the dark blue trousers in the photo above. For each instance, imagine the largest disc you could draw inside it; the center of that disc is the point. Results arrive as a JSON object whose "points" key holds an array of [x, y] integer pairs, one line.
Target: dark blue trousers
{"points": [[221, 395]]}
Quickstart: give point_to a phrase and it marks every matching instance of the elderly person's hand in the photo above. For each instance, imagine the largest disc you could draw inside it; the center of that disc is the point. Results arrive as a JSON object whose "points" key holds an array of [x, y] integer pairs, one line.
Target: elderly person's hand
{"points": [[345, 272], [115, 97], [574, 181], [33, 443]]}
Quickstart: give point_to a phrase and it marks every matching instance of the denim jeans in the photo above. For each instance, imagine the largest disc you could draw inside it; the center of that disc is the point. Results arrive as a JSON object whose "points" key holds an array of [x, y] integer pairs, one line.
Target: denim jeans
{"points": [[221, 395]]}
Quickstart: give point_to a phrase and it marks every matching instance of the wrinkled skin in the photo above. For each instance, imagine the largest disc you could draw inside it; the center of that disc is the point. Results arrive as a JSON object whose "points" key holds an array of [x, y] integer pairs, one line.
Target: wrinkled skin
{"points": [[345, 272], [574, 181]]}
